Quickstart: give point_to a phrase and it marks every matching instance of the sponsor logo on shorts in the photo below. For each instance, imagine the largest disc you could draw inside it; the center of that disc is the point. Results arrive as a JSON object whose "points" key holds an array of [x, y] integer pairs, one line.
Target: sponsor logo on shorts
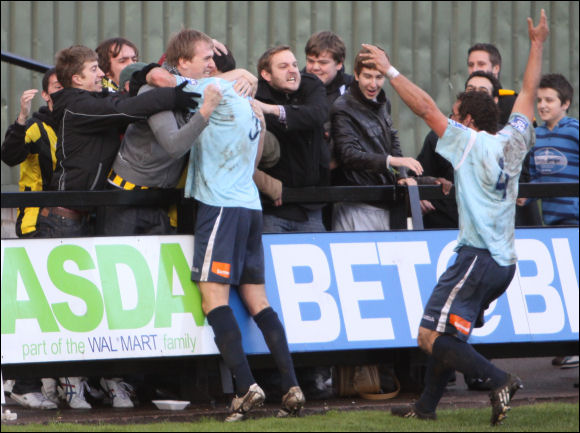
{"points": [[428, 318], [194, 269], [460, 324], [221, 269]]}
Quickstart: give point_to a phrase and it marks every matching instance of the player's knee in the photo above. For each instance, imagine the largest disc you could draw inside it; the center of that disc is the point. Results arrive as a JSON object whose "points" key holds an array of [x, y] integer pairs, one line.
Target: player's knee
{"points": [[208, 305]]}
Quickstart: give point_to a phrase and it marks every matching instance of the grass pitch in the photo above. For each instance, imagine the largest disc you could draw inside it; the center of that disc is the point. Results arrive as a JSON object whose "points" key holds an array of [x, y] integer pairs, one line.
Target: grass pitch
{"points": [[540, 417]]}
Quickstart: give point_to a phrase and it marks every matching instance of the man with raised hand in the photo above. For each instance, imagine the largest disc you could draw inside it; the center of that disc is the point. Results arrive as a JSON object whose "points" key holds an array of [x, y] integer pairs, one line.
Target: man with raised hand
{"points": [[487, 166]]}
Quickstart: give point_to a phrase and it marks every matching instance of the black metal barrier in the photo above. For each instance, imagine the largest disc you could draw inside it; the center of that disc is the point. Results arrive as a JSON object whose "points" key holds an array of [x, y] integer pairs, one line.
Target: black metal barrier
{"points": [[24, 62], [404, 201]]}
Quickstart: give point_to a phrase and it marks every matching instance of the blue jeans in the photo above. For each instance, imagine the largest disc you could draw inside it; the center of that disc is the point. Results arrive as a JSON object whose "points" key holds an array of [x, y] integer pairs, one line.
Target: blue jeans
{"points": [[274, 224], [54, 226], [135, 220]]}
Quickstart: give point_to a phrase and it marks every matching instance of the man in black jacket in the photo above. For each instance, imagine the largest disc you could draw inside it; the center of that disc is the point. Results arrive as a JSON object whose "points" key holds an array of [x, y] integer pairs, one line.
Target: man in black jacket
{"points": [[325, 54], [89, 127], [295, 108], [366, 147]]}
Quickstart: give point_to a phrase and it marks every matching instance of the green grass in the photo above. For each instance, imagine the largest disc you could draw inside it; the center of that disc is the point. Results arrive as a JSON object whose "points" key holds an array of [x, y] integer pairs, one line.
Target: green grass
{"points": [[539, 417]]}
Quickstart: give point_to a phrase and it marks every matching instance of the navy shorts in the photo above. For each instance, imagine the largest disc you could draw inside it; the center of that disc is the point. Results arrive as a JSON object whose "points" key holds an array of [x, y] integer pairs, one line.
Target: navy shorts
{"points": [[464, 291], [228, 246]]}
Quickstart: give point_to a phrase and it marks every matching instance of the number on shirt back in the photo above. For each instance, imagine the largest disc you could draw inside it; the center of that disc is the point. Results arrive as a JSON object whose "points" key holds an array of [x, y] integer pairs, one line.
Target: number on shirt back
{"points": [[502, 180], [256, 128]]}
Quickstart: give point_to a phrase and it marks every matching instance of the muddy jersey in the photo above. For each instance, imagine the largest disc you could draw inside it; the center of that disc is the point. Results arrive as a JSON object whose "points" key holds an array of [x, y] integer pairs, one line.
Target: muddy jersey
{"points": [[222, 159], [487, 169]]}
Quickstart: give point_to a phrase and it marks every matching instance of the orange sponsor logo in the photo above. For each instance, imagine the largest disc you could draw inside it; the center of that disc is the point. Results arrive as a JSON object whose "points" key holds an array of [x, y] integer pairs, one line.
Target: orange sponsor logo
{"points": [[221, 269], [460, 324]]}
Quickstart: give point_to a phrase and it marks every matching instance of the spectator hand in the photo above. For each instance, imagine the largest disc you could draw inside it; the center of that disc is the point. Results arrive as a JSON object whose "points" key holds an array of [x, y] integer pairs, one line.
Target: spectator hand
{"points": [[259, 113], [426, 206], [25, 105], [184, 100], [409, 181], [521, 201], [445, 184], [410, 163]]}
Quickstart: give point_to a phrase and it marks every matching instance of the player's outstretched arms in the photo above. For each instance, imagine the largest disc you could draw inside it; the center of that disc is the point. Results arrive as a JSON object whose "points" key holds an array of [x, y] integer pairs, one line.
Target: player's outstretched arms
{"points": [[526, 100]]}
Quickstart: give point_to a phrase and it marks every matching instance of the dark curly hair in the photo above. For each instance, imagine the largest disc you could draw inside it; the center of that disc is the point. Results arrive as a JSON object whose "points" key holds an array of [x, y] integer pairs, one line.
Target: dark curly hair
{"points": [[482, 109], [491, 78]]}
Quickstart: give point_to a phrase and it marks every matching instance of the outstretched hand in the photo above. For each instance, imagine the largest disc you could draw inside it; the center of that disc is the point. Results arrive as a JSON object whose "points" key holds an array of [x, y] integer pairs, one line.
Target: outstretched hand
{"points": [[541, 31]]}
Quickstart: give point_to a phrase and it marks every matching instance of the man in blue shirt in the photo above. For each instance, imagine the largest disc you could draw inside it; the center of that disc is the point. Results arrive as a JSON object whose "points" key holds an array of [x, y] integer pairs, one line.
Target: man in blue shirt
{"points": [[228, 247], [486, 168]]}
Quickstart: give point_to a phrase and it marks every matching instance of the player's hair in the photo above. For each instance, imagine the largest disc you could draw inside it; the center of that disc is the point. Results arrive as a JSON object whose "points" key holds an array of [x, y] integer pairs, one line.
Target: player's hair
{"points": [[560, 84], [494, 81], [494, 55], [326, 41], [264, 62], [46, 77], [183, 44], [111, 48], [481, 107], [71, 61], [225, 62], [358, 61]]}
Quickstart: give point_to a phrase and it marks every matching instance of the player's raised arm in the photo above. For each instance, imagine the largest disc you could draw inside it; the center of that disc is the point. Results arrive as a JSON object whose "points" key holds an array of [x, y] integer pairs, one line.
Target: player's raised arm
{"points": [[526, 99], [416, 98]]}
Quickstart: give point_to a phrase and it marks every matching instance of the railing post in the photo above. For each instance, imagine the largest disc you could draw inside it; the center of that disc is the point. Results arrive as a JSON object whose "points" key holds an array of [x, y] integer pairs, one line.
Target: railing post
{"points": [[415, 205]]}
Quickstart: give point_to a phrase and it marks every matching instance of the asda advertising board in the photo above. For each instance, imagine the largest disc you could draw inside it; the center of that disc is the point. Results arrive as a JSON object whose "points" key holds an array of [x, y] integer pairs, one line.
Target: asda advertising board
{"points": [[123, 297]]}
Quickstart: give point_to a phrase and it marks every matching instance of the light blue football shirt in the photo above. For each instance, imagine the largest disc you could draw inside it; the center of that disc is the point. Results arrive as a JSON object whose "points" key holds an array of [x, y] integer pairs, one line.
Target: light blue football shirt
{"points": [[221, 163], [487, 170]]}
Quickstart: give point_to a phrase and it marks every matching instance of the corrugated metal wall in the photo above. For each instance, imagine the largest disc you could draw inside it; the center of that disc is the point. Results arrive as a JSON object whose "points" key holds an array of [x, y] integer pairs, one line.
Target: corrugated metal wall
{"points": [[427, 41]]}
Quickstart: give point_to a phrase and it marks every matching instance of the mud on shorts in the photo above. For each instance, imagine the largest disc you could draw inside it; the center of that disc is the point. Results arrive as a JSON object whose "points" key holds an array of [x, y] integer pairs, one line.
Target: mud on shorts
{"points": [[228, 245], [464, 291]]}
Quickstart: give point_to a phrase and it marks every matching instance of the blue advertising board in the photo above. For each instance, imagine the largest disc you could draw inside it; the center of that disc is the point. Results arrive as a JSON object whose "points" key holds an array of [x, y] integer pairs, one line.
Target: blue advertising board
{"points": [[122, 297]]}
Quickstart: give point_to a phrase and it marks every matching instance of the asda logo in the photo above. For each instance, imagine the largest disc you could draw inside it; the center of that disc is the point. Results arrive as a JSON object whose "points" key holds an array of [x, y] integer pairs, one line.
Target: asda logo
{"points": [[96, 279]]}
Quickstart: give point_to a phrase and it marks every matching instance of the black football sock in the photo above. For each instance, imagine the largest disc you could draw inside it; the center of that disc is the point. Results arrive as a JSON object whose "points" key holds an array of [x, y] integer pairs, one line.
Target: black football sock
{"points": [[461, 356], [273, 331], [229, 342], [436, 379]]}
